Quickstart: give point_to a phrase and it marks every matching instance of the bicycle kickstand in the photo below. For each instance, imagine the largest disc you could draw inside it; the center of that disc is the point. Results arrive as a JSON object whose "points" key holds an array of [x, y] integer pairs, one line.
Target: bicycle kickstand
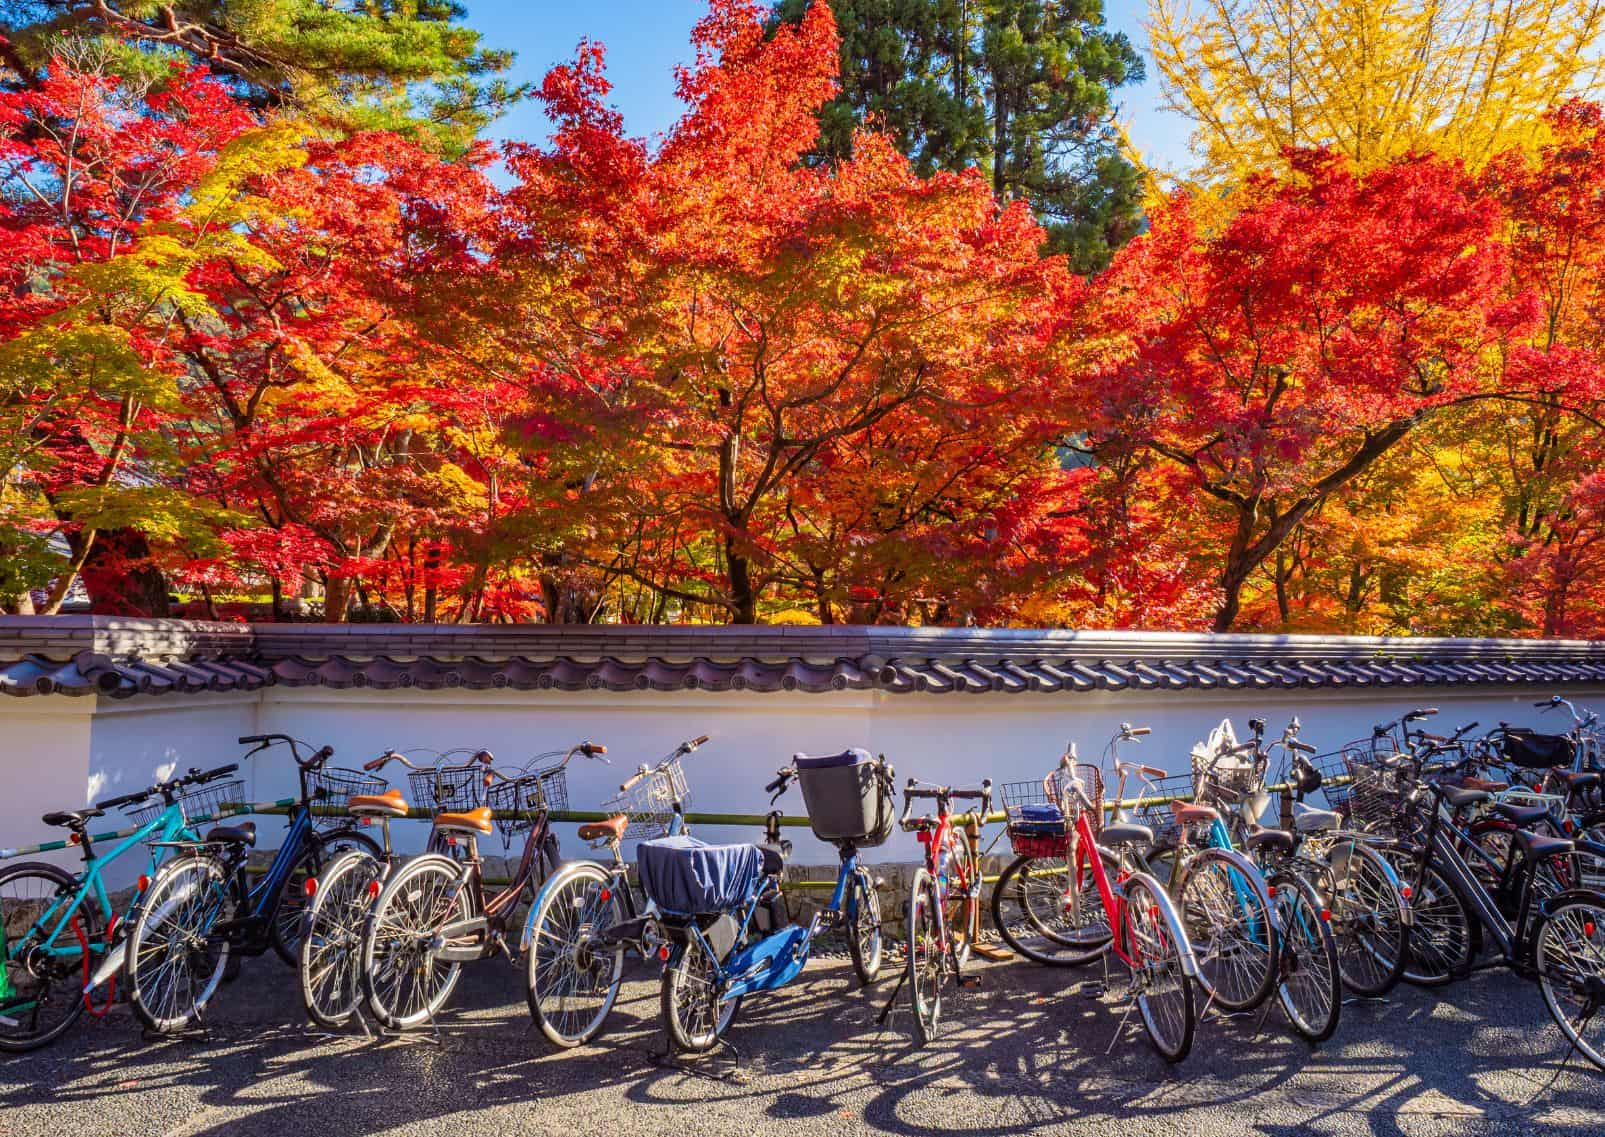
{"points": [[891, 1000]]}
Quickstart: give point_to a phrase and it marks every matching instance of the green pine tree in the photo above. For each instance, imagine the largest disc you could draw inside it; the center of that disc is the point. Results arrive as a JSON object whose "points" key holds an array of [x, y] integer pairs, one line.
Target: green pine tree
{"points": [[406, 65], [1022, 88]]}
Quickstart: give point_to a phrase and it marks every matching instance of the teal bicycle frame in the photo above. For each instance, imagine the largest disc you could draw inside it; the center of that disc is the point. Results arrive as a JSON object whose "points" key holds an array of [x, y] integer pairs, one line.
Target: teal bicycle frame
{"points": [[89, 887]]}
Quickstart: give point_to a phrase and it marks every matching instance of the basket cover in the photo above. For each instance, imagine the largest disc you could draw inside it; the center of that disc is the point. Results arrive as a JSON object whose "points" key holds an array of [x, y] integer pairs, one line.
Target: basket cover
{"points": [[1038, 820], [1533, 751], [684, 875]]}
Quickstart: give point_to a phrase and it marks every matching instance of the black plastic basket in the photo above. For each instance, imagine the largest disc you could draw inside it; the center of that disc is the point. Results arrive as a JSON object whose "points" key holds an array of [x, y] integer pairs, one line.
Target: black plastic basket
{"points": [[211, 802], [333, 785], [453, 788], [1531, 750]]}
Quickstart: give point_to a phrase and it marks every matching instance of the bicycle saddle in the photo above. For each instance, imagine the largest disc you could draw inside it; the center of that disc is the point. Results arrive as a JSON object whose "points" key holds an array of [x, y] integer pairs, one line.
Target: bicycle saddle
{"points": [[1577, 780], [388, 804], [1520, 814], [1470, 782], [244, 834], [1276, 840], [1459, 798], [469, 821], [1308, 819], [610, 830], [1125, 833], [1540, 845], [1190, 814], [73, 818]]}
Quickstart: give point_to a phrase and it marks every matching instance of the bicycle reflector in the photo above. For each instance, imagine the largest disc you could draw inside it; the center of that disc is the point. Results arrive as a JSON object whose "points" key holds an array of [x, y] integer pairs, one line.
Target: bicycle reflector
{"points": [[607, 894], [1588, 928], [1405, 892], [143, 882], [311, 886], [75, 838], [1326, 915], [663, 953], [373, 890]]}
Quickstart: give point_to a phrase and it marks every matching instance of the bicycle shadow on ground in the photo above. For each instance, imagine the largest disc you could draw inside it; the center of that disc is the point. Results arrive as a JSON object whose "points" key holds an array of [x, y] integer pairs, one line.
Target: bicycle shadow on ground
{"points": [[1027, 1052]]}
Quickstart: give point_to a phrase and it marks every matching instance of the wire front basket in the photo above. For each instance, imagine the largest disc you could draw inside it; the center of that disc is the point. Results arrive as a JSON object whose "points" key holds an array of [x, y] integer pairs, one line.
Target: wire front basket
{"points": [[1376, 800], [331, 786], [453, 788], [1334, 768], [1153, 807], [650, 801], [209, 802], [518, 799]]}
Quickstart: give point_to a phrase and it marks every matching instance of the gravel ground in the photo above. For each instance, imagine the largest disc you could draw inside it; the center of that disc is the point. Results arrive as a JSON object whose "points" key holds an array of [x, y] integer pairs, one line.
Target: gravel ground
{"points": [[1025, 1053]]}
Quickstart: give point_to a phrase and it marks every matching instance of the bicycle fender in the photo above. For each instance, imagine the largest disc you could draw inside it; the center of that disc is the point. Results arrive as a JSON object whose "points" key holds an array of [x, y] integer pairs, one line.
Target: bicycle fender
{"points": [[557, 879], [1167, 913], [1549, 904]]}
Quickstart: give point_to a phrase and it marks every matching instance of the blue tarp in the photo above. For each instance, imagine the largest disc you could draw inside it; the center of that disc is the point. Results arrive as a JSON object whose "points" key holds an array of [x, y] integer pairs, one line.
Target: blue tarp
{"points": [[684, 875]]}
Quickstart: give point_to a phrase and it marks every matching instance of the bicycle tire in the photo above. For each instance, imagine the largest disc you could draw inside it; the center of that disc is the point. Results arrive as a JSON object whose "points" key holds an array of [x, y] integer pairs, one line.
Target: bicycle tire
{"points": [[1370, 918], [18, 916], [572, 909], [329, 963], [1569, 943], [289, 907], [1310, 985], [1225, 906], [1156, 944], [865, 935], [172, 938], [403, 984], [927, 956], [690, 965], [1078, 936], [1445, 935]]}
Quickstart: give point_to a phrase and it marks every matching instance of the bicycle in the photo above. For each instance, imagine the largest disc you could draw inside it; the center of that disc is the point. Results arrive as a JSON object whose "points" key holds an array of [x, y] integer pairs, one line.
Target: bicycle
{"points": [[586, 915], [1105, 905], [330, 961], [55, 925], [200, 910], [1556, 941], [722, 925], [433, 914], [948, 883]]}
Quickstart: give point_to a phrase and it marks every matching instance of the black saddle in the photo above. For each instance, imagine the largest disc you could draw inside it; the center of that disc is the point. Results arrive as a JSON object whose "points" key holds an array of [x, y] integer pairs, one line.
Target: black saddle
{"points": [[1521, 814], [73, 818], [1125, 833], [1460, 798], [1537, 845], [774, 859], [1276, 840], [243, 834]]}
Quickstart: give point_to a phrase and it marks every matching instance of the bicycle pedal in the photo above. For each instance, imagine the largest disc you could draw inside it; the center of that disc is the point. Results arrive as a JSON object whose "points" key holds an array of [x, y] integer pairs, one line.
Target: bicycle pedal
{"points": [[1094, 990]]}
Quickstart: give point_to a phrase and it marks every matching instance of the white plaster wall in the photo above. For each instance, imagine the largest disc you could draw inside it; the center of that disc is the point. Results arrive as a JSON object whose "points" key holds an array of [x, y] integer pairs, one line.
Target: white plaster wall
{"points": [[44, 754], [63, 751]]}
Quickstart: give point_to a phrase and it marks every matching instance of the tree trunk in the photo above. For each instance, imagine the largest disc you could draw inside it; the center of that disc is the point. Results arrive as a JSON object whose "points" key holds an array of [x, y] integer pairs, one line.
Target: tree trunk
{"points": [[120, 578], [336, 598], [743, 601]]}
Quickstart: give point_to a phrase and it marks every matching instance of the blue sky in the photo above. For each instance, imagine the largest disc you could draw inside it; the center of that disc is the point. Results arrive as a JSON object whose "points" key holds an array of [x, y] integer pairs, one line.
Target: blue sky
{"points": [[646, 38]]}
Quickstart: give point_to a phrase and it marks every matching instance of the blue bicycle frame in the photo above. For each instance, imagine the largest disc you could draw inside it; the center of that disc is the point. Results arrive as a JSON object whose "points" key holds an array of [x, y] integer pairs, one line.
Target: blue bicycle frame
{"points": [[779, 957], [1221, 838]]}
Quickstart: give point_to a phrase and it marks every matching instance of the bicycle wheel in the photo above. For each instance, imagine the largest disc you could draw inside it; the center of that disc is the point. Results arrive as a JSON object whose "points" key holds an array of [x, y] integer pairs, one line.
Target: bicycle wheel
{"points": [[175, 962], [44, 986], [1310, 985], [1225, 907], [927, 956], [689, 994], [1048, 915], [571, 975], [864, 941], [1569, 950], [289, 907], [330, 959], [959, 885], [1370, 918], [403, 981], [1156, 945], [1445, 937]]}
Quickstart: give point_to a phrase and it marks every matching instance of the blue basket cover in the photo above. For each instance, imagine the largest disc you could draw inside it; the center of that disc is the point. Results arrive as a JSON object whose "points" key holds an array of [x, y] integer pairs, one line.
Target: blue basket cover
{"points": [[683, 875], [1039, 820], [854, 757]]}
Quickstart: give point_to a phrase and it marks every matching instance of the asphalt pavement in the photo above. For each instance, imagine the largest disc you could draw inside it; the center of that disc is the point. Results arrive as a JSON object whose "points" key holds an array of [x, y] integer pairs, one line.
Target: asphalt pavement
{"points": [[1029, 1052]]}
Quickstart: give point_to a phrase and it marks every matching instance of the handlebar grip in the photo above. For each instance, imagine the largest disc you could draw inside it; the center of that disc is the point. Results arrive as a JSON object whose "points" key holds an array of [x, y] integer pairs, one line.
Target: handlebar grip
{"points": [[249, 739], [125, 799], [781, 777], [1295, 744], [1136, 730], [595, 748], [376, 763], [698, 741], [625, 785], [1152, 771], [1423, 712], [1543, 706]]}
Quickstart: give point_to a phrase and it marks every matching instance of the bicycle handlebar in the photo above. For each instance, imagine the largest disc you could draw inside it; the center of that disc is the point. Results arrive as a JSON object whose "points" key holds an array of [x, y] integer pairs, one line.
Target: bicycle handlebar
{"points": [[679, 751]]}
